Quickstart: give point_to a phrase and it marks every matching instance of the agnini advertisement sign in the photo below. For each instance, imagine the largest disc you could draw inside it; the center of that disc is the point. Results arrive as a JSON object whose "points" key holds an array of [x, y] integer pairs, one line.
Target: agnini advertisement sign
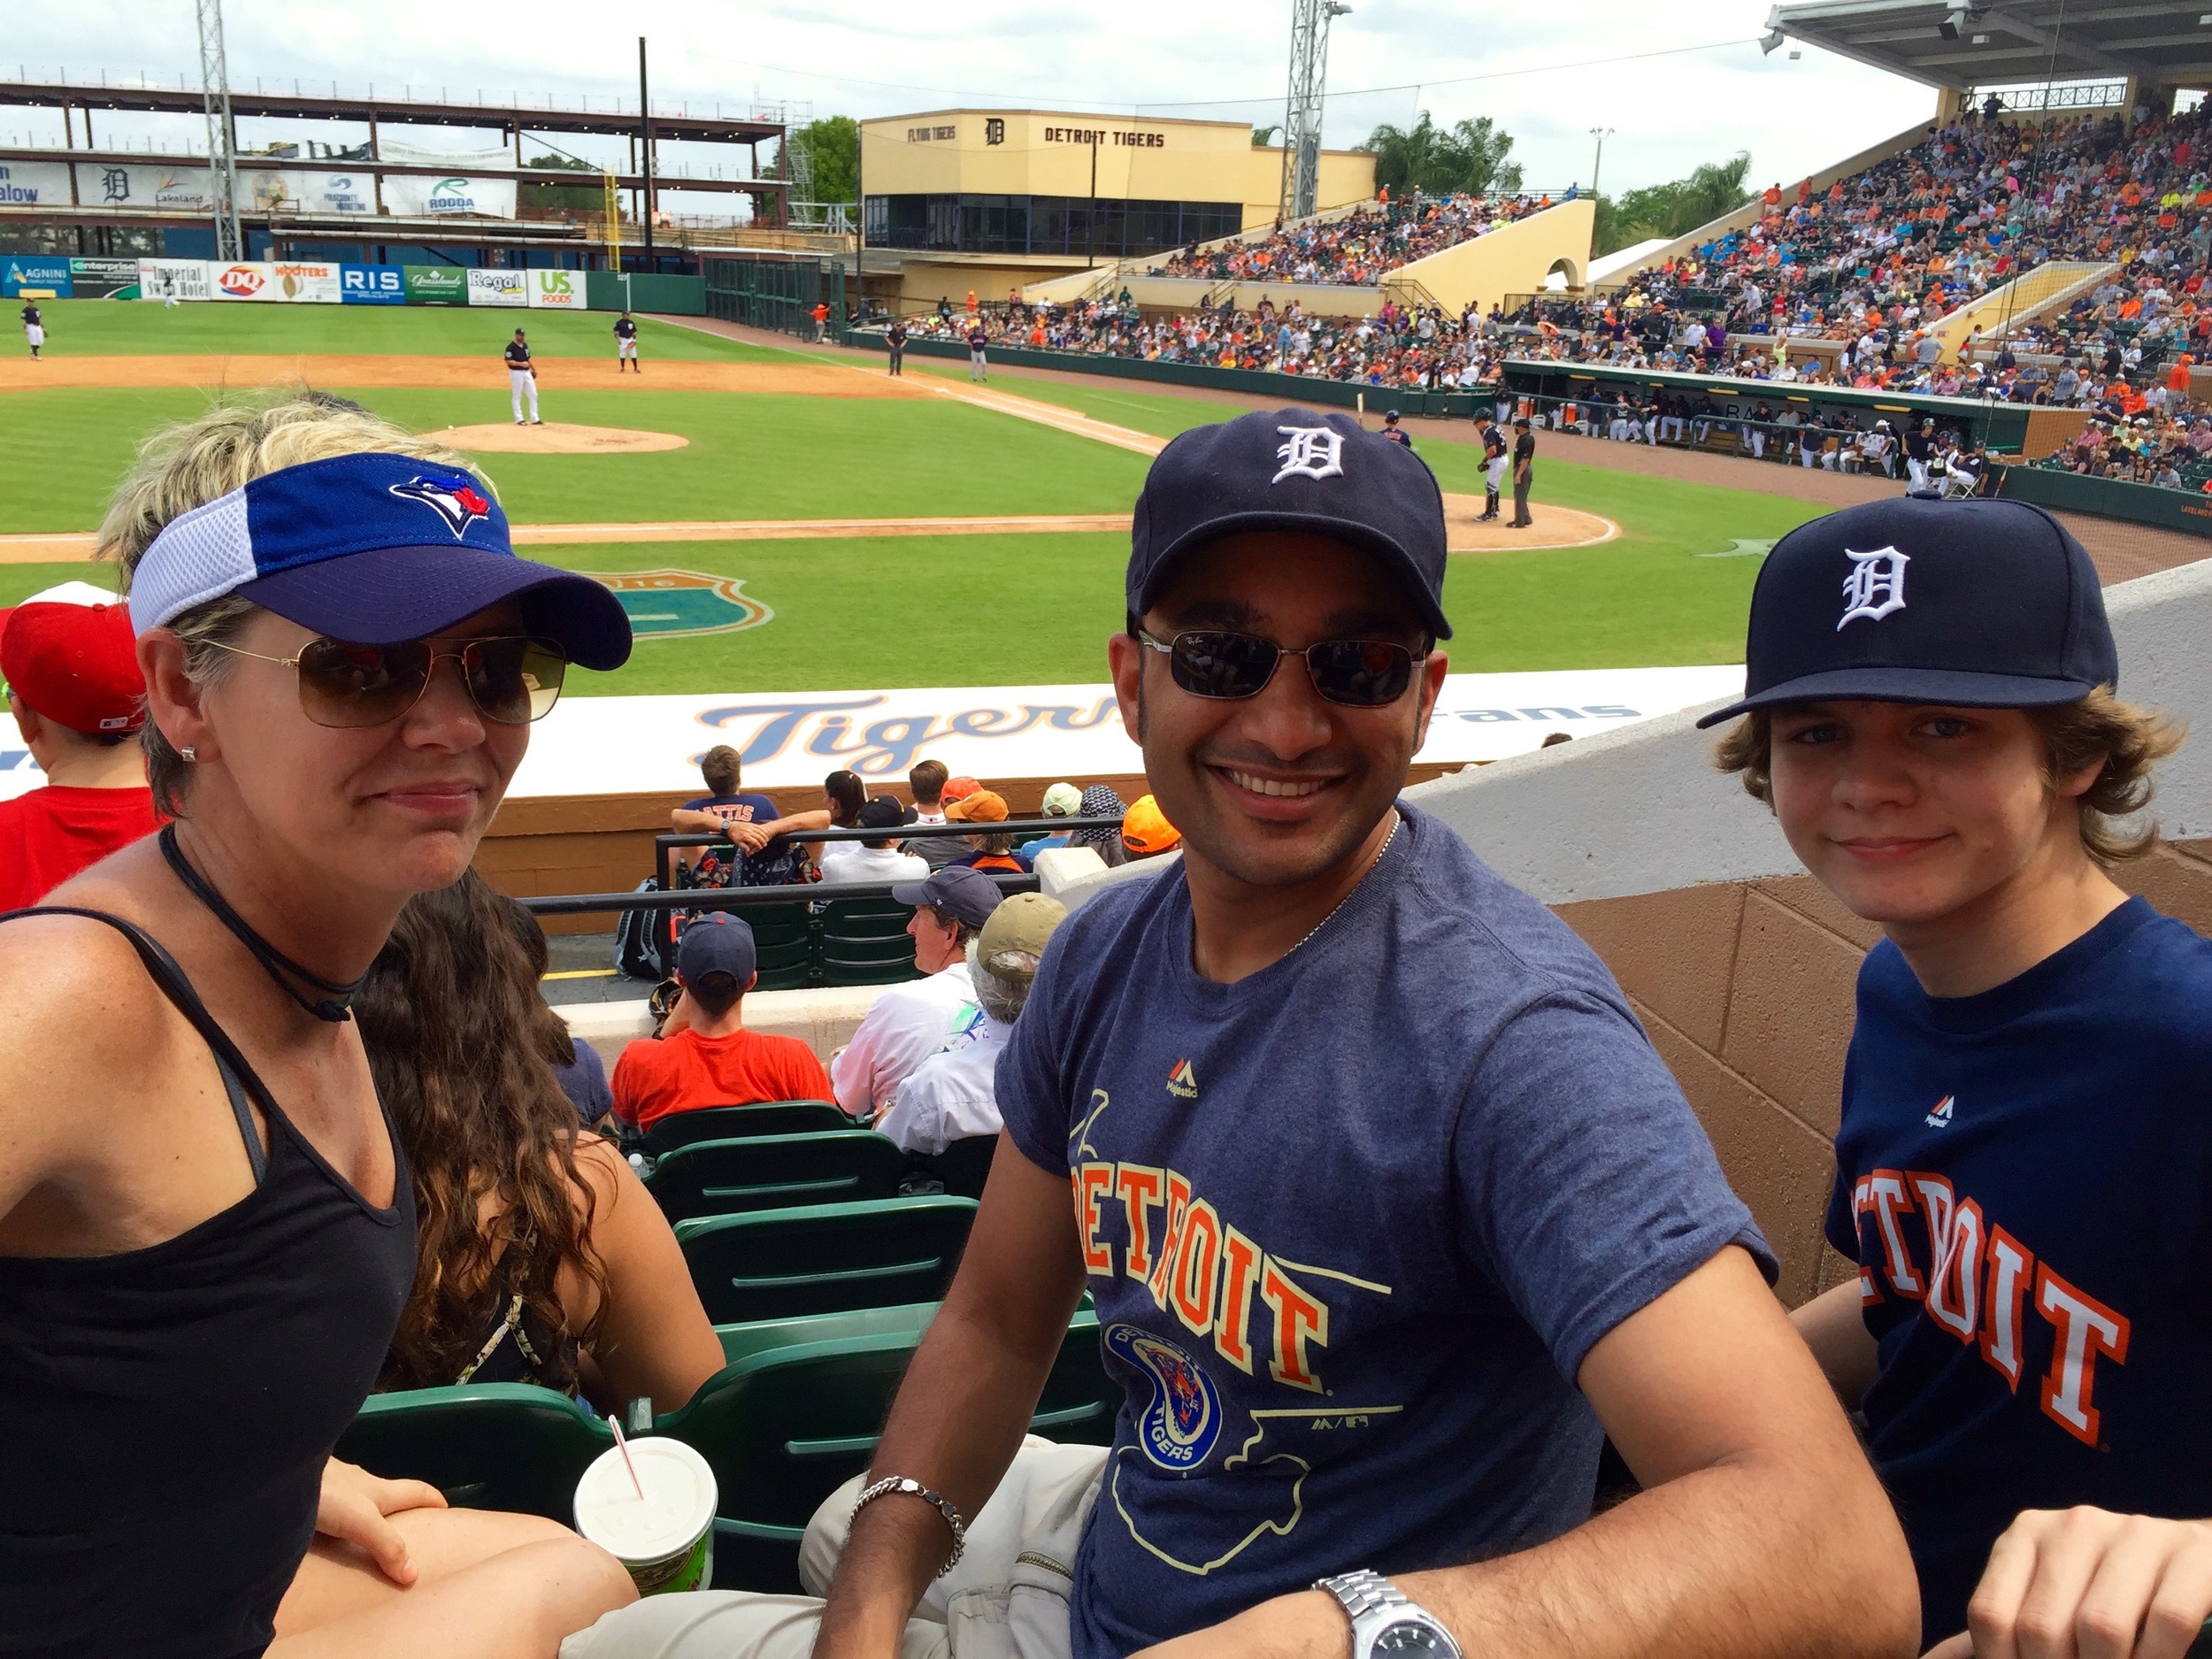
{"points": [[498, 288], [22, 274], [556, 290], [419, 196], [170, 190], [33, 184], [171, 279]]}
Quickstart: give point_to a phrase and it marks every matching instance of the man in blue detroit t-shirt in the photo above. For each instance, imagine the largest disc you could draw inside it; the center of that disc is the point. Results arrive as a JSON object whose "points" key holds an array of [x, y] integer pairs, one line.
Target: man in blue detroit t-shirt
{"points": [[2025, 1150], [768, 865], [1384, 1202]]}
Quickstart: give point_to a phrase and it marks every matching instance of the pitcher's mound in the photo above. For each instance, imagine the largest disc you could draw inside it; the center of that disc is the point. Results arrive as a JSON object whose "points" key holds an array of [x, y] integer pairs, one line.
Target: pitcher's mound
{"points": [[559, 438], [1554, 526]]}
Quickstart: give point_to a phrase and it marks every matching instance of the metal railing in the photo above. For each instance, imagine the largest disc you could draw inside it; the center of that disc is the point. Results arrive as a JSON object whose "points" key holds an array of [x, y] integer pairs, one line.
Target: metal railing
{"points": [[665, 844]]}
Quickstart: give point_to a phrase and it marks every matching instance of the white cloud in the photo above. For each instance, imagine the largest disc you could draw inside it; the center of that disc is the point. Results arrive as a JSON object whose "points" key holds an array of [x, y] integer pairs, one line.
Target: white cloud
{"points": [[1668, 112]]}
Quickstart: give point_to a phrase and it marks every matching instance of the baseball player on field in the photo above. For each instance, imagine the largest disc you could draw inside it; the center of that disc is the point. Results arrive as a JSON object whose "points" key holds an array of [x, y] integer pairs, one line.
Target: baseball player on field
{"points": [[2025, 1154], [34, 327], [1493, 466], [626, 344], [522, 379]]}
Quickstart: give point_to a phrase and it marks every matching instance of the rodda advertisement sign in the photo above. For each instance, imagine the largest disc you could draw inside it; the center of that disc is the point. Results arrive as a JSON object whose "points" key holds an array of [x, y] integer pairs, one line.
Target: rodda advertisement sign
{"points": [[556, 290], [167, 280], [372, 285], [434, 284], [419, 196], [497, 287], [248, 280]]}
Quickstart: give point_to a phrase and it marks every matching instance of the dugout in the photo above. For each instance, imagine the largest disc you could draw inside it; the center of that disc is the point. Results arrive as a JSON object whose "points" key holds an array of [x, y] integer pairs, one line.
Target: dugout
{"points": [[995, 200]]}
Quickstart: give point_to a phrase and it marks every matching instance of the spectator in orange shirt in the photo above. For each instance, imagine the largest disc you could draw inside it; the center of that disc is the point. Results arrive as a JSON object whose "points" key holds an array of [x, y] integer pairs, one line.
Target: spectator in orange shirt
{"points": [[704, 1056]]}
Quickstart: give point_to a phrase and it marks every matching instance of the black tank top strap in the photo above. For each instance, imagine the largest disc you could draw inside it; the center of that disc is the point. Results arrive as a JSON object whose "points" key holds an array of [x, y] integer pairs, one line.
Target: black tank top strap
{"points": [[240, 1081]]}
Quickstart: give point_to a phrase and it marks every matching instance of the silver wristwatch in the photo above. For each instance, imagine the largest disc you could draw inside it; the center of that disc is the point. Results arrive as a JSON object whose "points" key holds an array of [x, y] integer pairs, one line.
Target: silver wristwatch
{"points": [[1385, 1620]]}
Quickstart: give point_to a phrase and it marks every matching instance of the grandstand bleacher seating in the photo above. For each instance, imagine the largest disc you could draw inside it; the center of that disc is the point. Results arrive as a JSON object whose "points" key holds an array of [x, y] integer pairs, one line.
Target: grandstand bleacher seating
{"points": [[486, 1446], [722, 1178], [741, 1123], [864, 941], [825, 1258], [962, 1169]]}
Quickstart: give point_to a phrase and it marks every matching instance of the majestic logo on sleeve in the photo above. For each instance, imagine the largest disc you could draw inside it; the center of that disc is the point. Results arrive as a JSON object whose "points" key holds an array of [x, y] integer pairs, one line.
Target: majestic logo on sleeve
{"points": [[458, 505], [1310, 452], [1180, 1424], [1876, 585]]}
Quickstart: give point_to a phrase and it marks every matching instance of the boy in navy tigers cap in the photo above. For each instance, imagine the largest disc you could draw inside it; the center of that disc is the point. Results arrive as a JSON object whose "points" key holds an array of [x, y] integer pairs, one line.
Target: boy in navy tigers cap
{"points": [[2023, 1164]]}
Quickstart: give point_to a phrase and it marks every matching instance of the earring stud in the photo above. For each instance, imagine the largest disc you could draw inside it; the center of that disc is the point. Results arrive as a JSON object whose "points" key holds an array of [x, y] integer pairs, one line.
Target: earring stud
{"points": [[189, 752]]}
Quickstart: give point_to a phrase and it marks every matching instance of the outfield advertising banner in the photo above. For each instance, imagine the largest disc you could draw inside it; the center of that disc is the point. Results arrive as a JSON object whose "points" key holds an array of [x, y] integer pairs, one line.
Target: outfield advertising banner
{"points": [[435, 284], [33, 184], [556, 290], [97, 278], [36, 274], [639, 745], [282, 191], [167, 279], [172, 190], [372, 285], [418, 196], [248, 280], [497, 287], [314, 283]]}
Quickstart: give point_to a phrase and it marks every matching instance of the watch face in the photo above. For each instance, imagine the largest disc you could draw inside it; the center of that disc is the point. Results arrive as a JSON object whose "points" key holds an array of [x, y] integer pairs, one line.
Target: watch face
{"points": [[1412, 1637]]}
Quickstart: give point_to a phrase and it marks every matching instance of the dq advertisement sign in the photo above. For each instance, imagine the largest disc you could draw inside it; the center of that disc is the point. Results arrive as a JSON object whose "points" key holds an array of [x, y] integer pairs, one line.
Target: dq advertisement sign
{"points": [[435, 284], [556, 290], [167, 280], [19, 273], [172, 190], [419, 196], [372, 285], [33, 184], [497, 287], [248, 280]]}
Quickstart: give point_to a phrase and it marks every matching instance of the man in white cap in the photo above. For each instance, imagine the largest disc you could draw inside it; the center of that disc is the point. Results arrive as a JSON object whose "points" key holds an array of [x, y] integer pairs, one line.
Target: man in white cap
{"points": [[952, 1094], [72, 669]]}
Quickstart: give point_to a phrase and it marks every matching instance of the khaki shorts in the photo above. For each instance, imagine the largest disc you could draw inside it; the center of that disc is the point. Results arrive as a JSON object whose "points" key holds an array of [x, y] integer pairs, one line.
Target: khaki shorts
{"points": [[1007, 1599]]}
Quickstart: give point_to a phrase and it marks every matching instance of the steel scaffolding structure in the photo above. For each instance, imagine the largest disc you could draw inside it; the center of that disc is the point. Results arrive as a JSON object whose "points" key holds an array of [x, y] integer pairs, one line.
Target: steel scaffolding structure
{"points": [[1302, 114], [222, 132]]}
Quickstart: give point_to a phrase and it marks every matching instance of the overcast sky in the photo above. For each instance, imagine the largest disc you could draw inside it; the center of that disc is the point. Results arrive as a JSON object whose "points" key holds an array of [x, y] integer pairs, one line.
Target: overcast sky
{"points": [[1531, 68]]}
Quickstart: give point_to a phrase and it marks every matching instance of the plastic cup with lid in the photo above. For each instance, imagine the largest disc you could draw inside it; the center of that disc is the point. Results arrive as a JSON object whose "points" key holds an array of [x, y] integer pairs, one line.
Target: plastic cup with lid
{"points": [[666, 1538]]}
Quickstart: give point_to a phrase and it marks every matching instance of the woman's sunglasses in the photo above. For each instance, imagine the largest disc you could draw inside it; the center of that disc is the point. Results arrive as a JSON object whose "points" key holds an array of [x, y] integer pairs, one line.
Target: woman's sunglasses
{"points": [[1358, 673], [512, 681]]}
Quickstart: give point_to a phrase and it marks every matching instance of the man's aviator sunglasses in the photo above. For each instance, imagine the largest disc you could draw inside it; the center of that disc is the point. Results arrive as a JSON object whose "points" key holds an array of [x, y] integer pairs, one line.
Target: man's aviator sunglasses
{"points": [[1357, 674], [511, 682]]}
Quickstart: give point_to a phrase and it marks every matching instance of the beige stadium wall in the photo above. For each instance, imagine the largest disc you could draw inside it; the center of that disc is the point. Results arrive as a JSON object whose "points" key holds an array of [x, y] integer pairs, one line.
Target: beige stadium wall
{"points": [[1513, 260], [1740, 966], [1347, 180]]}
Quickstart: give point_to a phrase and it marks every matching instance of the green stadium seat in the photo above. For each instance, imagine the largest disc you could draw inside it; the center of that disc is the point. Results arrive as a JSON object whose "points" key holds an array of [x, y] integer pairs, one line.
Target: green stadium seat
{"points": [[743, 1342], [783, 943], [864, 941], [961, 1168], [487, 1446], [783, 1428], [742, 1123], [725, 1178], [826, 1258]]}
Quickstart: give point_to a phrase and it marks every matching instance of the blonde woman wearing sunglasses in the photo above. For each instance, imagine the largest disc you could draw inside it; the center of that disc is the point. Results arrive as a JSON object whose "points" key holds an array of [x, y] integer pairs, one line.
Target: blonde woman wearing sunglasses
{"points": [[206, 1227]]}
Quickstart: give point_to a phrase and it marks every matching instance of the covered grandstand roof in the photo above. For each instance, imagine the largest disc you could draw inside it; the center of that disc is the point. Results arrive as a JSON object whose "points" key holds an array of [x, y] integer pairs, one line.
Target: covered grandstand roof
{"points": [[1947, 43]]}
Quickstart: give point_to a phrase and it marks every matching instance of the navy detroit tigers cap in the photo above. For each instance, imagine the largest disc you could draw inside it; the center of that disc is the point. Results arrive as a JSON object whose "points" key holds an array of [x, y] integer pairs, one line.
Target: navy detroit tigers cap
{"points": [[1989, 604], [717, 942], [373, 549], [1291, 469]]}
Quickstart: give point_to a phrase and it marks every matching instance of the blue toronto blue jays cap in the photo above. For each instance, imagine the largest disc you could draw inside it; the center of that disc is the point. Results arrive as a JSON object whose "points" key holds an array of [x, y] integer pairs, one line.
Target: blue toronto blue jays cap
{"points": [[373, 549], [1983, 604], [716, 942], [1292, 470]]}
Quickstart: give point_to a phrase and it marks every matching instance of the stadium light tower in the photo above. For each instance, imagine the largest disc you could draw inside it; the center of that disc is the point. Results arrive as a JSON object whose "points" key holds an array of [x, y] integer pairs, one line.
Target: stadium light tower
{"points": [[222, 132], [1301, 115], [1600, 133]]}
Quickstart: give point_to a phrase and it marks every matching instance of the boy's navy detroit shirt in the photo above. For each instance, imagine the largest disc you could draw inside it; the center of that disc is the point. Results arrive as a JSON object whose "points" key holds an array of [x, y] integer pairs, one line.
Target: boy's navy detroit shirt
{"points": [[1351, 1225], [2022, 1176]]}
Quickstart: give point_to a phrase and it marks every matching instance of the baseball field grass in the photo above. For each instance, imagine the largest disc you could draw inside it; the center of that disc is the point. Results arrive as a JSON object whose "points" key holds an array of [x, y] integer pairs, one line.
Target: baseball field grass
{"points": [[876, 612]]}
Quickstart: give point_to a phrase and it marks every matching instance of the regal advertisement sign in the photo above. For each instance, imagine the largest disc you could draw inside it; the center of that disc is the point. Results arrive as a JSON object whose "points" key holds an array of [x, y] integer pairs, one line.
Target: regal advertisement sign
{"points": [[418, 196], [497, 287]]}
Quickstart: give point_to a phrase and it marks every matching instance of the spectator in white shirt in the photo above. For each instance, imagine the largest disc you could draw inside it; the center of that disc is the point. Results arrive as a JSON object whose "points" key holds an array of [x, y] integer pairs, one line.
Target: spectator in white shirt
{"points": [[908, 1022], [951, 1095], [874, 860]]}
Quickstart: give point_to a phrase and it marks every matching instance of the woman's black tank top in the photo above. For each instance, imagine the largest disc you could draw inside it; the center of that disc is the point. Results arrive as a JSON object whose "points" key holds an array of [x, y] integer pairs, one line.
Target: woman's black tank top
{"points": [[167, 1412]]}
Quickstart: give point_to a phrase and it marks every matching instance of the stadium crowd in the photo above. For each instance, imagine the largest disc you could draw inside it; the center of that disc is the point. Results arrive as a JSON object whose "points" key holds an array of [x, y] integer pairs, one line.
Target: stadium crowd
{"points": [[1358, 250]]}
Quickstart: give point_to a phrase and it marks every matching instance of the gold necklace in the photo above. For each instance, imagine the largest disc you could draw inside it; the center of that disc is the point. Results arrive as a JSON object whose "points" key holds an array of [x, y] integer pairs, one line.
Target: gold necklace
{"points": [[1397, 818]]}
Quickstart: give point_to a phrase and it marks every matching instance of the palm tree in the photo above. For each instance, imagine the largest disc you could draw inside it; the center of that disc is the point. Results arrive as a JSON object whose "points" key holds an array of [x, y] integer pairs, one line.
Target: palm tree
{"points": [[1469, 156]]}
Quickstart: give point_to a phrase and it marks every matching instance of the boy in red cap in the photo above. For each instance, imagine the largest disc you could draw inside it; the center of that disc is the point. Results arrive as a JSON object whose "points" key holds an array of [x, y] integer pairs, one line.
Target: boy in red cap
{"points": [[73, 685]]}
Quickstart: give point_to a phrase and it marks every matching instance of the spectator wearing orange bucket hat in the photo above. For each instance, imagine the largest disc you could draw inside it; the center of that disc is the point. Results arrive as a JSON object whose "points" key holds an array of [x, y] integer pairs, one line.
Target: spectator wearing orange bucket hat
{"points": [[1145, 831], [71, 664]]}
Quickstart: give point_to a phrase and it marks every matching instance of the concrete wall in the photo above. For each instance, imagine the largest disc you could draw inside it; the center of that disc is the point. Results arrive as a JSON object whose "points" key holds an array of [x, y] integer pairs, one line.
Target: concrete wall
{"points": [[1514, 259], [1740, 966]]}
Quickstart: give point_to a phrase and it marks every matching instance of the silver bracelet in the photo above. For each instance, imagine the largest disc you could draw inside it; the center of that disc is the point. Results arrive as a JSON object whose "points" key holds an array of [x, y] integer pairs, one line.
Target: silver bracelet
{"points": [[890, 1484]]}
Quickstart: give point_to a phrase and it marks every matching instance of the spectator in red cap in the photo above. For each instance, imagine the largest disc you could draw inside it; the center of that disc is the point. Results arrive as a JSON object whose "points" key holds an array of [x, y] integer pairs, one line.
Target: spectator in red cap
{"points": [[73, 685]]}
